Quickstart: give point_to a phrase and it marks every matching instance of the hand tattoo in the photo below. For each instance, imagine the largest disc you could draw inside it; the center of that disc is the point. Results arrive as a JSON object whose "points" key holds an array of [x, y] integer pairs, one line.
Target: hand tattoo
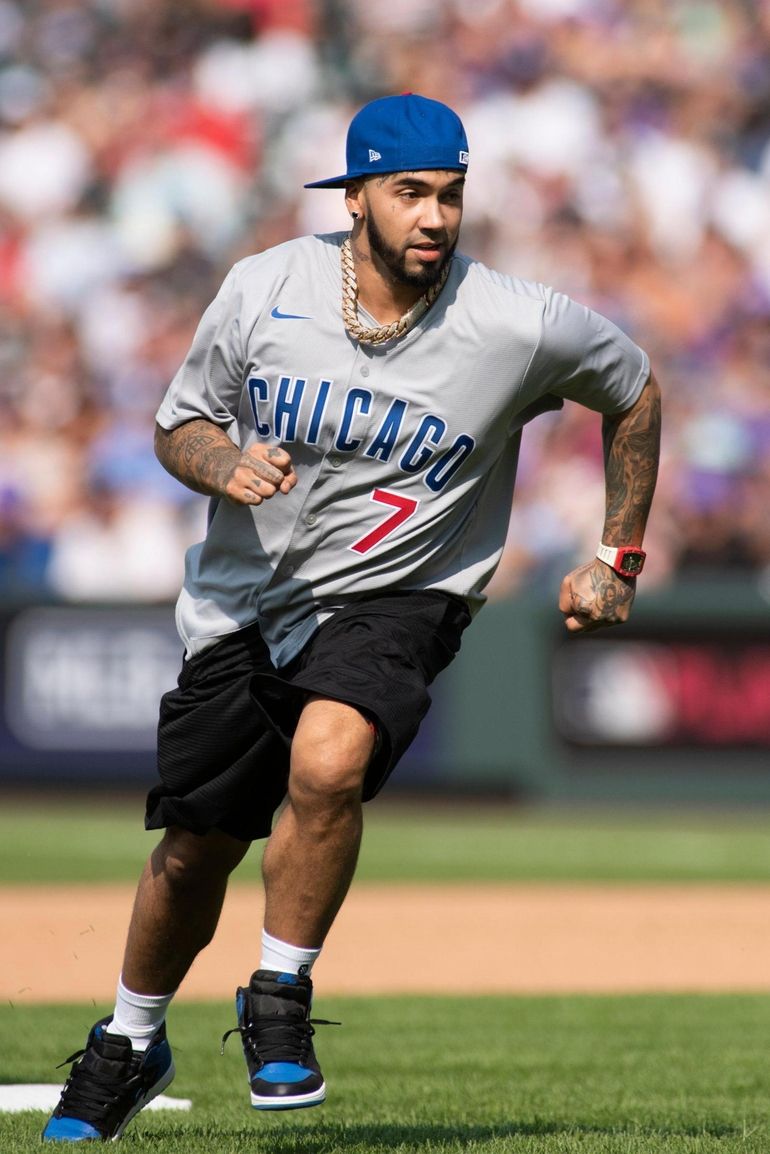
{"points": [[611, 596]]}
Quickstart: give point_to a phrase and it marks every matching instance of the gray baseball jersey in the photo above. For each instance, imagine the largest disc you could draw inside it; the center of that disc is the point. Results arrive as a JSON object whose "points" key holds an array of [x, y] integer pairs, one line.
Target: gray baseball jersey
{"points": [[405, 453]]}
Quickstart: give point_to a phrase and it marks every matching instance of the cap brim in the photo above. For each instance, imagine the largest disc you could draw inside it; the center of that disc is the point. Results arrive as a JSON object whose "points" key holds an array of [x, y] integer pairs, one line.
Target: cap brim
{"points": [[333, 182]]}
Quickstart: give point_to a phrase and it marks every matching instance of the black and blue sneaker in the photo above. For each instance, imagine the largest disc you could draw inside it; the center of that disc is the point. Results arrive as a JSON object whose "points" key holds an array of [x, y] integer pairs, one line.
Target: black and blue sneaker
{"points": [[277, 1035], [108, 1084]]}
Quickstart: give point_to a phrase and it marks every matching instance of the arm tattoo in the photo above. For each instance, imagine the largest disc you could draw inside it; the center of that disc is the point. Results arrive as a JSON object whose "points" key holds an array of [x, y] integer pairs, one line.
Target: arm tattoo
{"points": [[631, 451], [199, 454]]}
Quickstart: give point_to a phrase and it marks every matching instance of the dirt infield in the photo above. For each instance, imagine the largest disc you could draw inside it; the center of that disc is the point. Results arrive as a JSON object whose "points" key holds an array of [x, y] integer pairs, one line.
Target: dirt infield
{"points": [[65, 943]]}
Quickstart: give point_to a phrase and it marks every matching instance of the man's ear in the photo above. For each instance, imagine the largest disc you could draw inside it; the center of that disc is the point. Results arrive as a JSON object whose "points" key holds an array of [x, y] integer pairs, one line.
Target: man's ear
{"points": [[354, 200]]}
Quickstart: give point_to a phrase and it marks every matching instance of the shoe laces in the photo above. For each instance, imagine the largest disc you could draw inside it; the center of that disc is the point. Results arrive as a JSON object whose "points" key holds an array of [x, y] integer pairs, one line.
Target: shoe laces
{"points": [[90, 1094], [278, 1039]]}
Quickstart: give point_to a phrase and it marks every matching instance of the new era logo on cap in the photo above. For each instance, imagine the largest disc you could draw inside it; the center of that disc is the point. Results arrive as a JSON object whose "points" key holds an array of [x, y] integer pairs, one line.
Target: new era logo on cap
{"points": [[463, 157], [374, 156]]}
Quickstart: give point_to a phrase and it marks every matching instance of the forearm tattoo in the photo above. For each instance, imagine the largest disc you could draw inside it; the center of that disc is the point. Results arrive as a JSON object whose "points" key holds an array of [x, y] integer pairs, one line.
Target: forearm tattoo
{"points": [[631, 451], [198, 454]]}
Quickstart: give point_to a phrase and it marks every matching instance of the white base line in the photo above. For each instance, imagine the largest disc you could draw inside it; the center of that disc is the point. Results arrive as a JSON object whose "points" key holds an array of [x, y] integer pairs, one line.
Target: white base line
{"points": [[39, 1096]]}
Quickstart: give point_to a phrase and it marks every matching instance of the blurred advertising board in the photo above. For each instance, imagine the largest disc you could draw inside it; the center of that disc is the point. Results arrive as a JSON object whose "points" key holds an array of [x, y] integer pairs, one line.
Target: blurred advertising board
{"points": [[81, 688], [671, 691]]}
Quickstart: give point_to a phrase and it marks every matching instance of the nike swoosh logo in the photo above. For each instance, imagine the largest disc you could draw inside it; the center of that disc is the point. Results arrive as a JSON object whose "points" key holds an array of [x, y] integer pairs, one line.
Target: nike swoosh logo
{"points": [[279, 316]]}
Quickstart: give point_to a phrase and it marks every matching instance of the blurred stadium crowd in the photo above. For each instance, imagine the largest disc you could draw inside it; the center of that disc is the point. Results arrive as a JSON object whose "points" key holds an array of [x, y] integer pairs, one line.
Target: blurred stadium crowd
{"points": [[620, 150]]}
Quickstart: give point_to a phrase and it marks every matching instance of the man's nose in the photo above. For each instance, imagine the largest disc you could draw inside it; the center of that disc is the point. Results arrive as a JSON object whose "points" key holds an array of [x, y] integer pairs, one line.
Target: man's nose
{"points": [[431, 217]]}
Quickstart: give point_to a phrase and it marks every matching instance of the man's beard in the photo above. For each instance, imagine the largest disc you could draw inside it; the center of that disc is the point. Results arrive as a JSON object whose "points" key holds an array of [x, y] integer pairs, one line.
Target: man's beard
{"points": [[395, 262]]}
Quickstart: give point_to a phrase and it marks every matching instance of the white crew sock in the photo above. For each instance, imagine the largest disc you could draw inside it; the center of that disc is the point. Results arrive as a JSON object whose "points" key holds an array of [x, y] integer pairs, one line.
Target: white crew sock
{"points": [[286, 959], [138, 1016]]}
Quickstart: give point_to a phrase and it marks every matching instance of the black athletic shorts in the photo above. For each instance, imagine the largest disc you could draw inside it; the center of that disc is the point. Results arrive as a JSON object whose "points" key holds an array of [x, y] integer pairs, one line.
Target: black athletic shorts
{"points": [[224, 733]]}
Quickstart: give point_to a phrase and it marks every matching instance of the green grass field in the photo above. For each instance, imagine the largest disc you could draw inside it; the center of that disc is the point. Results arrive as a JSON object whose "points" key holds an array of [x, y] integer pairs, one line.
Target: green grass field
{"points": [[481, 1074], [487, 1075], [75, 842]]}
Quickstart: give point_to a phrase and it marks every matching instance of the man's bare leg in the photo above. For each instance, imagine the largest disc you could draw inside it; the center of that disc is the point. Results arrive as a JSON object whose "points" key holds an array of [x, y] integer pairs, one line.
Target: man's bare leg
{"points": [[311, 856], [177, 907]]}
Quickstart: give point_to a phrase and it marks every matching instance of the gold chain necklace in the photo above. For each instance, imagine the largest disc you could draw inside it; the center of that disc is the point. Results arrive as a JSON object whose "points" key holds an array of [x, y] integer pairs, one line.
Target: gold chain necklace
{"points": [[382, 333]]}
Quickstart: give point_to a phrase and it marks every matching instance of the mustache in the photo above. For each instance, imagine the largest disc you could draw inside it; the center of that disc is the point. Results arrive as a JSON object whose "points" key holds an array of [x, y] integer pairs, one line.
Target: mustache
{"points": [[426, 241]]}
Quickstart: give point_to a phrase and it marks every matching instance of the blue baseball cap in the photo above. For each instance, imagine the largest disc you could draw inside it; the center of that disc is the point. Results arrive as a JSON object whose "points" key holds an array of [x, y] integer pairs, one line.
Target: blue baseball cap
{"points": [[406, 133]]}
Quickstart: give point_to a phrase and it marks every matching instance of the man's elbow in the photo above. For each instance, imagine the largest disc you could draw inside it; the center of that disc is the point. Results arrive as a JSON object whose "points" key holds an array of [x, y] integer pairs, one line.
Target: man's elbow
{"points": [[160, 442]]}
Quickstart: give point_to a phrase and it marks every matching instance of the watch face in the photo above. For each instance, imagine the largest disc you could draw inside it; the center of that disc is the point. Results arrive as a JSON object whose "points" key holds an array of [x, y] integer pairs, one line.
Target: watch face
{"points": [[632, 562]]}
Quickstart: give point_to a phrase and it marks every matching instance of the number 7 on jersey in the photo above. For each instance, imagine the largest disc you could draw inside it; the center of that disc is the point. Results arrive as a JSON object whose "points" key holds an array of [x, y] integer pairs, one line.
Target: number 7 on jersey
{"points": [[404, 508]]}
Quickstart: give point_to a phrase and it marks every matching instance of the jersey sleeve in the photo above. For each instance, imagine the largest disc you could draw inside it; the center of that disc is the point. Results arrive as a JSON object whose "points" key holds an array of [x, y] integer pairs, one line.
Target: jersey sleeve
{"points": [[208, 385], [582, 356]]}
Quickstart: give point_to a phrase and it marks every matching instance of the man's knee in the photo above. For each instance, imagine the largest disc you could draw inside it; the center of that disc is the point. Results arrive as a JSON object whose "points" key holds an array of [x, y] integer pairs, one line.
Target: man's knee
{"points": [[330, 753], [189, 859]]}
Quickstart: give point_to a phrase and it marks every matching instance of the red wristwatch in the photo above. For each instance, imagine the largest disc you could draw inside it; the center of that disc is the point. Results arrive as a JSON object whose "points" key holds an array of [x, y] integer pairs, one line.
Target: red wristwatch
{"points": [[627, 560]]}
